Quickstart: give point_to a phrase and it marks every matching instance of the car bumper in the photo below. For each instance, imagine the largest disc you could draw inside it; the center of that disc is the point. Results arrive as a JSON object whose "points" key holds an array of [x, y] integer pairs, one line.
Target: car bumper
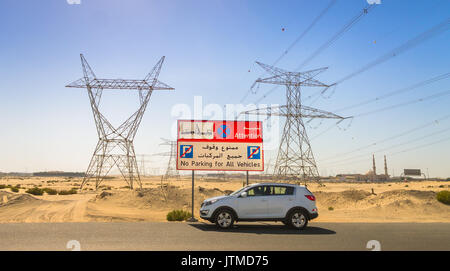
{"points": [[205, 214], [313, 216]]}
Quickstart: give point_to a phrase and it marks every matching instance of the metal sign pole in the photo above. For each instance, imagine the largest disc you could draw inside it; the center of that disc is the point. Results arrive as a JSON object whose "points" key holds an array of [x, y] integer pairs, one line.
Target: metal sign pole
{"points": [[192, 219], [247, 177]]}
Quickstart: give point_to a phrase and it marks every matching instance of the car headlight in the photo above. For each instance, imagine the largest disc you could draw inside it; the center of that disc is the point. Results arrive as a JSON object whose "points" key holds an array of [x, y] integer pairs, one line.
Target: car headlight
{"points": [[209, 202]]}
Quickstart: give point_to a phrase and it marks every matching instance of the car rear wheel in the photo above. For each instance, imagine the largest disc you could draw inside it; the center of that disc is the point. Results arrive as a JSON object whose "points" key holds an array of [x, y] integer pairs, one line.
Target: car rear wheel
{"points": [[224, 219], [298, 219]]}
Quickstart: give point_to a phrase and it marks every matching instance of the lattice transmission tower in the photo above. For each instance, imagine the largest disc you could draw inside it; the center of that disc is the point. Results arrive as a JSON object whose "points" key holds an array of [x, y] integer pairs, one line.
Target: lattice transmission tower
{"points": [[115, 145], [295, 159], [171, 170], [142, 160]]}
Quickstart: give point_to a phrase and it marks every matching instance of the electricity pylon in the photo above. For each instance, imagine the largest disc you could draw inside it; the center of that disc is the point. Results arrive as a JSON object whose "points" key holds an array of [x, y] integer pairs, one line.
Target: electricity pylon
{"points": [[142, 161], [171, 170], [115, 145], [295, 159]]}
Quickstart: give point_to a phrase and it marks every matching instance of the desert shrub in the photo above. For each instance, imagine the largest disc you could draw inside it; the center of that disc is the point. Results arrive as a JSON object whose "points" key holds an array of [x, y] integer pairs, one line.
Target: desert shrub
{"points": [[104, 194], [178, 215], [50, 191], [444, 197], [14, 189], [68, 192], [3, 186], [35, 191], [441, 186], [330, 208]]}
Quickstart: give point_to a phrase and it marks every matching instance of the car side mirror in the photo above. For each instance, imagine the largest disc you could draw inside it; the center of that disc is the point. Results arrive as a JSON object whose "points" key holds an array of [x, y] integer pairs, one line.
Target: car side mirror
{"points": [[243, 194]]}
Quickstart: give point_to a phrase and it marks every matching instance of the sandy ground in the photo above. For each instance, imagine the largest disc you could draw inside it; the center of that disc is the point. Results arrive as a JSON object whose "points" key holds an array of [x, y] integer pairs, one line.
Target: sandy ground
{"points": [[413, 201]]}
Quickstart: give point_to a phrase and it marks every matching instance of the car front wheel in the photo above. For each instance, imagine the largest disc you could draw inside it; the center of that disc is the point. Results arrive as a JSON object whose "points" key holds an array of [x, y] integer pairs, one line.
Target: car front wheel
{"points": [[224, 219], [298, 219]]}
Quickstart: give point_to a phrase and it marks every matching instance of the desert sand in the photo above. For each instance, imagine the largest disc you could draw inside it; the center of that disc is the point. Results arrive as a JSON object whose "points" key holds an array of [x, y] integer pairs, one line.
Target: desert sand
{"points": [[412, 201]]}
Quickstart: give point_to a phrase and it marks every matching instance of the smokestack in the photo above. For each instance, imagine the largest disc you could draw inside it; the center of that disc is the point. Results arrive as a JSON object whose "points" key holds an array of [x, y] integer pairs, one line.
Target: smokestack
{"points": [[373, 162], [385, 167]]}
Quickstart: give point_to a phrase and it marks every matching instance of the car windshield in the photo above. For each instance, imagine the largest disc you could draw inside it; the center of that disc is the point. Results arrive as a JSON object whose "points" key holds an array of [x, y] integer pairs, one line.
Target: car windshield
{"points": [[238, 191]]}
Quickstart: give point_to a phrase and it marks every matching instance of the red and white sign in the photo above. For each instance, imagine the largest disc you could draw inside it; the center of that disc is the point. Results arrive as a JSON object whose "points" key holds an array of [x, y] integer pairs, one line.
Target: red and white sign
{"points": [[220, 145]]}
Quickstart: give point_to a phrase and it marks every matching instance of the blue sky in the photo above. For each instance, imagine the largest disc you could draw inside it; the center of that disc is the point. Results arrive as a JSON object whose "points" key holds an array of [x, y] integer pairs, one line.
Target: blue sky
{"points": [[210, 48]]}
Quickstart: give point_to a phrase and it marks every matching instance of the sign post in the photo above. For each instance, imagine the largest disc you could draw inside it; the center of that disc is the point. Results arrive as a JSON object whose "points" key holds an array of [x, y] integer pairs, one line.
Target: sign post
{"points": [[192, 219], [219, 145]]}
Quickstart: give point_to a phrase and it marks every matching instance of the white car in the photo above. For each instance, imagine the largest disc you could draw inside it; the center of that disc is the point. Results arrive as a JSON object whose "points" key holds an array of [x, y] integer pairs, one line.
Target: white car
{"points": [[293, 205]]}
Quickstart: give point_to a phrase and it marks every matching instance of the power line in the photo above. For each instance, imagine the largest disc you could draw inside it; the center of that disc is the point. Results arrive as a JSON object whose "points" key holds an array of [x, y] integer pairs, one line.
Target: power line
{"points": [[329, 42], [324, 131], [332, 2], [442, 27], [392, 93], [418, 147], [390, 147], [297, 40], [405, 150], [395, 92], [447, 92], [336, 36], [434, 96], [390, 138], [435, 30]]}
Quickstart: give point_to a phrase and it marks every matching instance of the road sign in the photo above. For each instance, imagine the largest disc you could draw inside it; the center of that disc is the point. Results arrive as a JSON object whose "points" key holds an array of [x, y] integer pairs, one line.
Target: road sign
{"points": [[220, 145]]}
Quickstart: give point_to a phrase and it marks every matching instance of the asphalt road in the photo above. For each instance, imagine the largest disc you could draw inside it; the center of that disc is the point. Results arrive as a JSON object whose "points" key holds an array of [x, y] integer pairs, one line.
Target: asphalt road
{"points": [[204, 236]]}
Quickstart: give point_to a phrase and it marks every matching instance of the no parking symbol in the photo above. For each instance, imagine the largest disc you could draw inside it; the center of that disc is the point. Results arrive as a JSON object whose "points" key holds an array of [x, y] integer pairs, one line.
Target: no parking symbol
{"points": [[253, 152], [186, 151]]}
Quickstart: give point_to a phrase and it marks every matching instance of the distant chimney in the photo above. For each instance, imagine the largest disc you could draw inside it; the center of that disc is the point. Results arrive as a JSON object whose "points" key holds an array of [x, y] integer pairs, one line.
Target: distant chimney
{"points": [[385, 167], [373, 162]]}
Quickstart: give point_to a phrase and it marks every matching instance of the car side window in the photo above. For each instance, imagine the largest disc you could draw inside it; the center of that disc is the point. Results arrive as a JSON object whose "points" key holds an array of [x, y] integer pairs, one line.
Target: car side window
{"points": [[255, 191], [290, 190], [268, 190], [283, 190], [279, 190]]}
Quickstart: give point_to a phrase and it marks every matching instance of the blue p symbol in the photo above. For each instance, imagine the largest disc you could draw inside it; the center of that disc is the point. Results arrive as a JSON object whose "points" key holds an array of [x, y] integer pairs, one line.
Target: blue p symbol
{"points": [[253, 152], [186, 151]]}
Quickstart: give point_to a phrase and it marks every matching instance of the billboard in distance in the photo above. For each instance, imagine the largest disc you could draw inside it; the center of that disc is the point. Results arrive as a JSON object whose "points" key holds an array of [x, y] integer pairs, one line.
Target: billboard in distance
{"points": [[412, 172]]}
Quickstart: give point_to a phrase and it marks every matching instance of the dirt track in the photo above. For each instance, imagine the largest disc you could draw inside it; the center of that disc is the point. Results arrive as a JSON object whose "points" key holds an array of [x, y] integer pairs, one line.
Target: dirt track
{"points": [[27, 208]]}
